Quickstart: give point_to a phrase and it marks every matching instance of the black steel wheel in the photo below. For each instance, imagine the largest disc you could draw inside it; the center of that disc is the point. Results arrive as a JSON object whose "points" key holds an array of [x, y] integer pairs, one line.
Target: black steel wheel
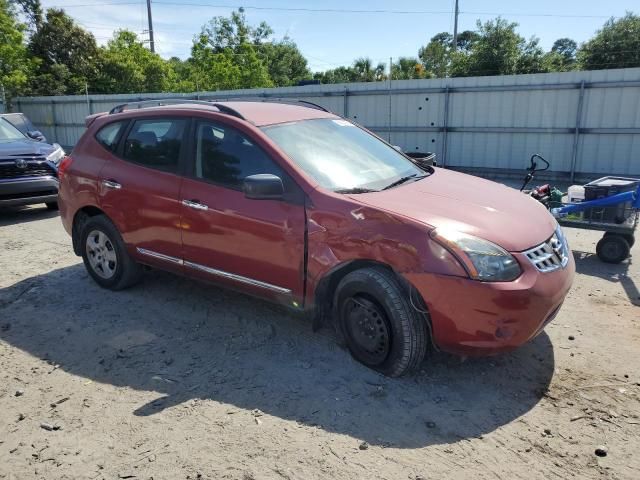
{"points": [[381, 327], [367, 329], [612, 248]]}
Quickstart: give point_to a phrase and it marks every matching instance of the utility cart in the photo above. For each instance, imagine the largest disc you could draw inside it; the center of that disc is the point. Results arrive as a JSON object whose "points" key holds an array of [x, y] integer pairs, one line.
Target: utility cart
{"points": [[609, 204]]}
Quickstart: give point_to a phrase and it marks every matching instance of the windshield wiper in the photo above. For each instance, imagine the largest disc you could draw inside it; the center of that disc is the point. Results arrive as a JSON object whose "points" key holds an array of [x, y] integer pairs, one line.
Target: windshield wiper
{"points": [[355, 190], [402, 180]]}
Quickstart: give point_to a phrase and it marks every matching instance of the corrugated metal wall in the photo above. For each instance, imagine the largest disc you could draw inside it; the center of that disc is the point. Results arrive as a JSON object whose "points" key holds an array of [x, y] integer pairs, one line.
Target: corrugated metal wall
{"points": [[587, 123]]}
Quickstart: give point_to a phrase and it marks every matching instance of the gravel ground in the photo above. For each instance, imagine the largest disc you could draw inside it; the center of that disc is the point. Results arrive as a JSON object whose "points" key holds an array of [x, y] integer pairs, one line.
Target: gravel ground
{"points": [[177, 379]]}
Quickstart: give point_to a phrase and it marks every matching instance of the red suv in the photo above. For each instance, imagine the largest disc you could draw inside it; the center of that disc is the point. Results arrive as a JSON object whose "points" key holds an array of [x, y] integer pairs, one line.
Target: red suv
{"points": [[302, 207]]}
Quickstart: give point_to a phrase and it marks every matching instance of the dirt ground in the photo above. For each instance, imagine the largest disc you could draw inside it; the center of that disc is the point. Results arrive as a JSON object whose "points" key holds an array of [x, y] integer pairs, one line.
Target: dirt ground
{"points": [[180, 380]]}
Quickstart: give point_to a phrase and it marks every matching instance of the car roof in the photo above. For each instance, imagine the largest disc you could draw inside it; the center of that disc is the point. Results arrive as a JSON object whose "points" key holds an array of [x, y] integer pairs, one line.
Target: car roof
{"points": [[258, 113]]}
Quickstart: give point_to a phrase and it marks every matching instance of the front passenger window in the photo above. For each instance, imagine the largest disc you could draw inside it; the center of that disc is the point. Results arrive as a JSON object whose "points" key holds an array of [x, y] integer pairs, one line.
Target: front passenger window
{"points": [[226, 156], [155, 143]]}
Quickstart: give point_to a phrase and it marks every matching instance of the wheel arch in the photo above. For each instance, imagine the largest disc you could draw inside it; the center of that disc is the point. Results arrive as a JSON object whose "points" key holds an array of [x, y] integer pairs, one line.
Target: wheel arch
{"points": [[324, 309], [79, 218]]}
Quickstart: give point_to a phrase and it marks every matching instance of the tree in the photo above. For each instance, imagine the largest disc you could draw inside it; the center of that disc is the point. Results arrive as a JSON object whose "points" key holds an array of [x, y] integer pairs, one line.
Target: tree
{"points": [[616, 45], [67, 56], [438, 55], [285, 63], [127, 66], [225, 54], [15, 64], [33, 11], [566, 48], [406, 68], [497, 49]]}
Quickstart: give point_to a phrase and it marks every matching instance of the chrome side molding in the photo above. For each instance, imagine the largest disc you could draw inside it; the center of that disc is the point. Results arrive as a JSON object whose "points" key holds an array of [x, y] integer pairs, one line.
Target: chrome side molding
{"points": [[214, 271], [160, 256], [237, 278]]}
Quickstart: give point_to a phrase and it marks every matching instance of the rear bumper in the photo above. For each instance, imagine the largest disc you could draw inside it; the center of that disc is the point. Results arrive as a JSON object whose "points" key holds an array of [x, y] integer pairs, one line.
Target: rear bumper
{"points": [[28, 190], [475, 318]]}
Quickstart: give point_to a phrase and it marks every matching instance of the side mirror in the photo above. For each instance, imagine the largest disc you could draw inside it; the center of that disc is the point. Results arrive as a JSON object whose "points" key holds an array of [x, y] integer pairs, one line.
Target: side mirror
{"points": [[36, 135], [264, 186]]}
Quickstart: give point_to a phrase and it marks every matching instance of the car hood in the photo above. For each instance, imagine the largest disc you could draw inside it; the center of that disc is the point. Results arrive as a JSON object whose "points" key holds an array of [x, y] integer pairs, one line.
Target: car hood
{"points": [[448, 199], [25, 147]]}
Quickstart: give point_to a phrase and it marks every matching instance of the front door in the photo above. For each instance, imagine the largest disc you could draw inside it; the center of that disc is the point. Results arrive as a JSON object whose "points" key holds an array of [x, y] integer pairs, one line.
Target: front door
{"points": [[140, 187], [255, 245]]}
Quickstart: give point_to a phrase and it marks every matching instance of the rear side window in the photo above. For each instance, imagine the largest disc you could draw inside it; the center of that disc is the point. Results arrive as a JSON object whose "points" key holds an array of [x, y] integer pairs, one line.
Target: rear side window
{"points": [[108, 135], [155, 143], [225, 156]]}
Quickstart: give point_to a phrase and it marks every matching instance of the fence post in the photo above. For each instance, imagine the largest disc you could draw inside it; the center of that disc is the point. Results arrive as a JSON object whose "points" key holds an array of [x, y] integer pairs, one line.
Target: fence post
{"points": [[445, 126], [576, 135], [345, 108], [55, 121]]}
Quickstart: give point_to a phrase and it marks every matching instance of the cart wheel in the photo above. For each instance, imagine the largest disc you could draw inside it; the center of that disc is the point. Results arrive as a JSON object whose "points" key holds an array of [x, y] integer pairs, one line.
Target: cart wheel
{"points": [[612, 248], [630, 238]]}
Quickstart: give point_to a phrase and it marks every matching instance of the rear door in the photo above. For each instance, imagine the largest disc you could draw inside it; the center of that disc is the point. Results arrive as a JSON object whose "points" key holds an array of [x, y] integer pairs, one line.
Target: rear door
{"points": [[139, 189], [255, 245]]}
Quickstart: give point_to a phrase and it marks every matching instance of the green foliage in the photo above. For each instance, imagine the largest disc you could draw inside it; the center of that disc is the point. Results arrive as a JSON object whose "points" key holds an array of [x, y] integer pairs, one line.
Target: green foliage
{"points": [[362, 70], [127, 66], [67, 56], [51, 54], [285, 63], [407, 68], [225, 55], [616, 45], [494, 49], [15, 65], [33, 11]]}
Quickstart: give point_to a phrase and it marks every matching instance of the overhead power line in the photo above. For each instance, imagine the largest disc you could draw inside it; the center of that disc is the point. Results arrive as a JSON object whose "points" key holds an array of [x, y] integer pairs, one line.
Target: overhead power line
{"points": [[339, 10]]}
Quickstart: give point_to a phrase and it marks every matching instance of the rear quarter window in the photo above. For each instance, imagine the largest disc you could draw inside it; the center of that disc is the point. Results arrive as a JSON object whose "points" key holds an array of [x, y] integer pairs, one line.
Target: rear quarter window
{"points": [[109, 135]]}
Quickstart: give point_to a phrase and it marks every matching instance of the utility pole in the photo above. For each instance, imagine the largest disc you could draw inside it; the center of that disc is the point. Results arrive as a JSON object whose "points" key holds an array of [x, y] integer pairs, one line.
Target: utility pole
{"points": [[151, 44], [455, 28]]}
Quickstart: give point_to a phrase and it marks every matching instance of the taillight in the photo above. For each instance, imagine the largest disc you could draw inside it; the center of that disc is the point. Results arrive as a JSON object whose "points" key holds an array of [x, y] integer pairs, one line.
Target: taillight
{"points": [[64, 165]]}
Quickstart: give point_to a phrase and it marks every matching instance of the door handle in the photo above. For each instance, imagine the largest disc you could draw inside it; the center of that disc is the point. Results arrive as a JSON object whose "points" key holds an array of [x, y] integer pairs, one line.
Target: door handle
{"points": [[111, 184], [194, 204]]}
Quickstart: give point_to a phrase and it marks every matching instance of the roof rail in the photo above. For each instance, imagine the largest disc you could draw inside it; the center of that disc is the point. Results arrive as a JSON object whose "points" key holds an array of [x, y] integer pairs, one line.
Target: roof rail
{"points": [[264, 99], [163, 101], [228, 110], [315, 105], [158, 102]]}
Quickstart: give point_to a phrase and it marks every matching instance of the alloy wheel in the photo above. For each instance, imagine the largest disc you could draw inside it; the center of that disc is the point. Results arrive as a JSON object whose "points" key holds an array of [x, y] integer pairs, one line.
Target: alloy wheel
{"points": [[101, 254]]}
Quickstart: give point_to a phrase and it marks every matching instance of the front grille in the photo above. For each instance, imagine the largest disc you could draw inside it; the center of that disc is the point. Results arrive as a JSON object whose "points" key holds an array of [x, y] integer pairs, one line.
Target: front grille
{"points": [[550, 255], [30, 168]]}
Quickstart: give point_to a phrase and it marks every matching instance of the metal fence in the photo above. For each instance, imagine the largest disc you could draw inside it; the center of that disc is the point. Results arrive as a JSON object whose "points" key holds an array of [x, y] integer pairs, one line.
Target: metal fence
{"points": [[586, 123]]}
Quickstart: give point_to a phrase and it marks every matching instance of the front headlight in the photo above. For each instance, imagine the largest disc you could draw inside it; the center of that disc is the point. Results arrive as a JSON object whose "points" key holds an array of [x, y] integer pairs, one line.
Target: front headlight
{"points": [[57, 155], [483, 260]]}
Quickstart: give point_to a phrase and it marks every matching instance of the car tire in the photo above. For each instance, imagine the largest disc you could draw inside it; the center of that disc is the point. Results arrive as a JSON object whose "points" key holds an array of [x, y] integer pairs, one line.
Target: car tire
{"points": [[52, 205], [381, 327], [105, 256], [613, 249]]}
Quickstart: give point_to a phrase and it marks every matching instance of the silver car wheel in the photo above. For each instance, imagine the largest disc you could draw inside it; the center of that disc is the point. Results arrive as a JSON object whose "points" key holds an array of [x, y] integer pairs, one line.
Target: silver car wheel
{"points": [[101, 254]]}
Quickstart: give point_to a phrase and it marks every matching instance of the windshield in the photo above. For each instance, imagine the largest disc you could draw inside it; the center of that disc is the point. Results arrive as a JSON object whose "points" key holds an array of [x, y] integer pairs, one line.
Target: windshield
{"points": [[8, 132], [342, 157]]}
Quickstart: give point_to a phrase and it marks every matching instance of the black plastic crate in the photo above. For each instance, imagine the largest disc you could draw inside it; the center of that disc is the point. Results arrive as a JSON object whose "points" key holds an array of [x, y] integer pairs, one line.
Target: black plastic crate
{"points": [[607, 186]]}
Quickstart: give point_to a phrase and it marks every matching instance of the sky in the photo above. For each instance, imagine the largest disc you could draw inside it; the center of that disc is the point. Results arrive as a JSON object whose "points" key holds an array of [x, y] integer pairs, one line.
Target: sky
{"points": [[336, 37]]}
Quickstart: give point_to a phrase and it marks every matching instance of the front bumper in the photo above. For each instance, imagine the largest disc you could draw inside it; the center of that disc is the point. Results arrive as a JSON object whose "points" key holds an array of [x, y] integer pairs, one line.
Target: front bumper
{"points": [[469, 317], [28, 190]]}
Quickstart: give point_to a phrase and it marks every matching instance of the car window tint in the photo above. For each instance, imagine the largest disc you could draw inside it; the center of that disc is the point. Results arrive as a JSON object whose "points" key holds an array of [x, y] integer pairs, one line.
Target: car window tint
{"points": [[226, 156], [155, 143], [107, 136]]}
